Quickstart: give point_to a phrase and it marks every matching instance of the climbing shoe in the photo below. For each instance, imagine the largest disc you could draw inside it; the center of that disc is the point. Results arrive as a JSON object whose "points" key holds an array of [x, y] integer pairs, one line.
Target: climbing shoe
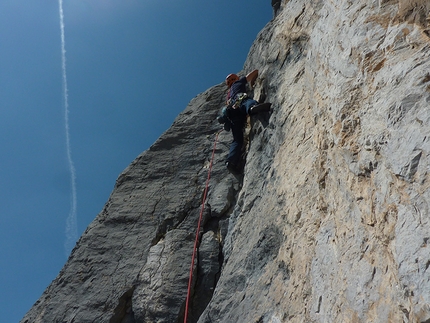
{"points": [[261, 107], [232, 168]]}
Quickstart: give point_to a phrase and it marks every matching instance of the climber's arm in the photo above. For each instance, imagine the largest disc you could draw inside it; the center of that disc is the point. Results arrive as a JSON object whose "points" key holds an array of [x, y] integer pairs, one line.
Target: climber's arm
{"points": [[251, 77]]}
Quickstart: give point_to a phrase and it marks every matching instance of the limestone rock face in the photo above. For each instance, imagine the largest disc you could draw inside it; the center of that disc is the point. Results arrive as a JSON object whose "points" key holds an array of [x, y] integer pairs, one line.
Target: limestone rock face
{"points": [[331, 220]]}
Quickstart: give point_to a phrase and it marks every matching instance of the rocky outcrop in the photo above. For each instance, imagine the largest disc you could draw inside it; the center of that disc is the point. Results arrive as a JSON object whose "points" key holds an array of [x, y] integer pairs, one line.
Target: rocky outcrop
{"points": [[331, 220], [132, 263]]}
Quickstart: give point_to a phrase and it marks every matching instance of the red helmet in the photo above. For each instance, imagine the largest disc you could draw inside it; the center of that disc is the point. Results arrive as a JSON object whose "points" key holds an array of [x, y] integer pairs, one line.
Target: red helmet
{"points": [[230, 79]]}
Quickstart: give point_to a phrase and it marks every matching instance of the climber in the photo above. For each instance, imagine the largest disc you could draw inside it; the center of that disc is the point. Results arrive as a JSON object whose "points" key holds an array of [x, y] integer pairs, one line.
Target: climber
{"points": [[239, 105]]}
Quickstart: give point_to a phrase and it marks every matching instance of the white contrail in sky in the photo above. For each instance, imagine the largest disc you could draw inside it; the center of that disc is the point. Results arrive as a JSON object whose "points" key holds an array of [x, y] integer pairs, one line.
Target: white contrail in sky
{"points": [[71, 223]]}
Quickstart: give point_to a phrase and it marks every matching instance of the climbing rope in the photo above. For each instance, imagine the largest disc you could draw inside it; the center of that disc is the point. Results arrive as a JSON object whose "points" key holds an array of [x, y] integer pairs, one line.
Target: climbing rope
{"points": [[196, 241]]}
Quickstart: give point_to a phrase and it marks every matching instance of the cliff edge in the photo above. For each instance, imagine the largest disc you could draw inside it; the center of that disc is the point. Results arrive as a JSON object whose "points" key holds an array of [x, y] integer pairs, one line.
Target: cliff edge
{"points": [[331, 220]]}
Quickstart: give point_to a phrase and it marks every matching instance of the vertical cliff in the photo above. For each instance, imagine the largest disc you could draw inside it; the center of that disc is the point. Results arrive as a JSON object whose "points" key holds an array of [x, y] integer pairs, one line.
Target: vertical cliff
{"points": [[331, 220]]}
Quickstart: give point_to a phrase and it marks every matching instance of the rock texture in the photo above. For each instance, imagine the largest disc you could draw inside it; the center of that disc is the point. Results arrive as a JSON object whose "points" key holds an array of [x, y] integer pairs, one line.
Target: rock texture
{"points": [[331, 220]]}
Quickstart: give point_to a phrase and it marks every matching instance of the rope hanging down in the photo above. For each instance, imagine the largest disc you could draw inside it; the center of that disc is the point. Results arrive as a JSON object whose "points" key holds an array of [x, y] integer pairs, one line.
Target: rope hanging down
{"points": [[196, 241]]}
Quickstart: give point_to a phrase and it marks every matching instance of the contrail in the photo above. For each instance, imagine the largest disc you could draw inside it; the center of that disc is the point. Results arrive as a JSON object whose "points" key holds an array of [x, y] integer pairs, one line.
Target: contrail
{"points": [[71, 223]]}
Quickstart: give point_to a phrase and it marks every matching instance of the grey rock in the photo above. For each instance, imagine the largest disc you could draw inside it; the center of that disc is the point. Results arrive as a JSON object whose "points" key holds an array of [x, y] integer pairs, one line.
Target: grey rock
{"points": [[133, 260], [222, 196], [330, 222]]}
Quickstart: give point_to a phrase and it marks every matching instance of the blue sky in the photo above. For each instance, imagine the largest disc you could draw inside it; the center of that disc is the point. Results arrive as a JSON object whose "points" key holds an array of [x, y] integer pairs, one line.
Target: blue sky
{"points": [[132, 67]]}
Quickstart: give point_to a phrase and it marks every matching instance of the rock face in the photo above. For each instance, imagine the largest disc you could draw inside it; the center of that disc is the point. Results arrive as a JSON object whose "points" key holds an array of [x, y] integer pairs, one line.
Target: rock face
{"points": [[331, 220]]}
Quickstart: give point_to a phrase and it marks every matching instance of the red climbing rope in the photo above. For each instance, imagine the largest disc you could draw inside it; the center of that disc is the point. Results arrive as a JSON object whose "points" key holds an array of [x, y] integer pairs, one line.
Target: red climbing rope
{"points": [[196, 241]]}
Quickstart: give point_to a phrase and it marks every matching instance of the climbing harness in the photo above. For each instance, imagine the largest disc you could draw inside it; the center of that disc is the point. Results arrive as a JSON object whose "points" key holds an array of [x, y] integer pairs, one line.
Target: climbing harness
{"points": [[238, 100], [196, 241]]}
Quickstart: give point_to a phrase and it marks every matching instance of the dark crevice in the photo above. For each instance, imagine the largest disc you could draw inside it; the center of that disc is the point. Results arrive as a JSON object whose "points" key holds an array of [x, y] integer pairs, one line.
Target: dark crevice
{"points": [[319, 304], [123, 312], [205, 281], [276, 4]]}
